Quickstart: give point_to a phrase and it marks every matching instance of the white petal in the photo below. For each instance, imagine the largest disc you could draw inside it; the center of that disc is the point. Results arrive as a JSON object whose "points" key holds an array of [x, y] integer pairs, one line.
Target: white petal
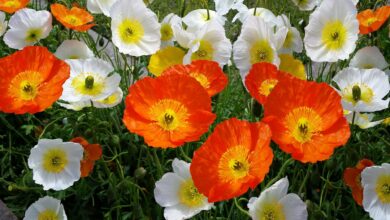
{"points": [[166, 190]]}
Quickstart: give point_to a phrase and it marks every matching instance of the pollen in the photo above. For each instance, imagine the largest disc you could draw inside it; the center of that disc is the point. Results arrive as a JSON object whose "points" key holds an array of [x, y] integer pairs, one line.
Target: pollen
{"points": [[25, 85], [358, 92], [169, 114], [166, 32], [303, 123], [33, 35], [48, 215], [267, 86], [205, 51], [131, 31], [73, 20], [234, 164], [261, 51], [55, 160], [12, 3], [383, 188], [88, 84], [271, 211], [189, 194], [334, 35]]}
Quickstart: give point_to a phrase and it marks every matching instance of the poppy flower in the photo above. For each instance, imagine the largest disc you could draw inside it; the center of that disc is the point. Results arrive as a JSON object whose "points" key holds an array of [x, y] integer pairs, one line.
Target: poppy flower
{"points": [[332, 31], [75, 18], [208, 73], [352, 179], [34, 84], [46, 208], [234, 158], [11, 6], [370, 21], [92, 152], [165, 58], [376, 191], [168, 110], [261, 80], [306, 119]]}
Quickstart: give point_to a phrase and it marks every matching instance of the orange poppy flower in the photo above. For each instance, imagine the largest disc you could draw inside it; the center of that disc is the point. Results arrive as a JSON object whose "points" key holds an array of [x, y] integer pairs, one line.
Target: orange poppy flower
{"points": [[92, 152], [370, 21], [306, 119], [11, 6], [168, 110], [352, 179], [31, 80], [234, 158], [261, 80], [208, 73], [76, 18]]}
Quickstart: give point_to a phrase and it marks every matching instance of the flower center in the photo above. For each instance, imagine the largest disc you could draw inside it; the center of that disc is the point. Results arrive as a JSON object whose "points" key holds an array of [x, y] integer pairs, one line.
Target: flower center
{"points": [[131, 31], [25, 85], [47, 215], [201, 78], [271, 211], [303, 123], [189, 194], [12, 3], [33, 35], [88, 84], [205, 51], [55, 160], [334, 35], [383, 188], [73, 20], [371, 20], [267, 86], [358, 92], [261, 51], [234, 164], [166, 32], [169, 114]]}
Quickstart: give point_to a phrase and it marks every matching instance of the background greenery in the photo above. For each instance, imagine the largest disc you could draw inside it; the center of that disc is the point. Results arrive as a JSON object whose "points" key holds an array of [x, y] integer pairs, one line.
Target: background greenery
{"points": [[121, 185]]}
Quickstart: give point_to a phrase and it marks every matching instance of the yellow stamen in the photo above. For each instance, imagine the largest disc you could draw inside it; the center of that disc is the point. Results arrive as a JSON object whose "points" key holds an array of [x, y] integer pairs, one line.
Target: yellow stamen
{"points": [[189, 195], [166, 32], [261, 51], [303, 123], [233, 164], [334, 35], [131, 31], [169, 114], [205, 51], [383, 188], [55, 160], [48, 215]]}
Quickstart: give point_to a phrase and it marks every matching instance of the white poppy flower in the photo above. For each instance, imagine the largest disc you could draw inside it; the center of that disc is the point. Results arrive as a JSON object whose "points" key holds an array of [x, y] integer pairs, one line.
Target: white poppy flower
{"points": [[293, 41], [332, 31], [363, 90], [306, 5], [275, 203], [112, 100], [73, 49], [364, 121], [376, 191], [209, 43], [224, 6], [89, 80], [27, 27], [177, 193], [257, 43], [46, 208], [368, 58], [196, 19], [170, 22], [244, 13], [100, 6], [75, 106], [3, 23], [55, 164], [135, 28]]}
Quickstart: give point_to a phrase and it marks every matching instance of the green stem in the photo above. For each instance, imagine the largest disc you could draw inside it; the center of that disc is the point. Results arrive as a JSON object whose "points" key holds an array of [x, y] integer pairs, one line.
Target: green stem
{"points": [[305, 179], [158, 164], [240, 208], [280, 173], [187, 158], [9, 126]]}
